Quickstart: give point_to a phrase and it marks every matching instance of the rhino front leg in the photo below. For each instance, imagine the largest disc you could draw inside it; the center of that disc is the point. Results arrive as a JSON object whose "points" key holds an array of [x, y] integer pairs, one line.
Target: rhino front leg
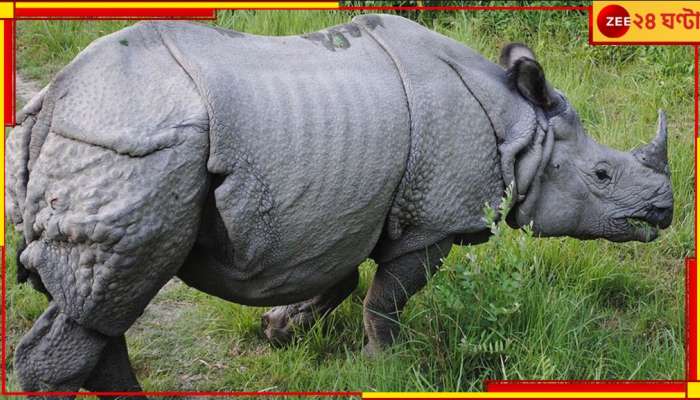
{"points": [[394, 283], [57, 354], [280, 322]]}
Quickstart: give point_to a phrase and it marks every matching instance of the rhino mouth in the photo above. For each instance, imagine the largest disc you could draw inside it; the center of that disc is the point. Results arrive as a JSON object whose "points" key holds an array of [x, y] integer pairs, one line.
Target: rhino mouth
{"points": [[641, 229]]}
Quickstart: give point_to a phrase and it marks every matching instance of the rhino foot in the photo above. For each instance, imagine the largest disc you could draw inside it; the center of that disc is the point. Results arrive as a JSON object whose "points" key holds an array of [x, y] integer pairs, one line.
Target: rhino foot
{"points": [[371, 351], [280, 323]]}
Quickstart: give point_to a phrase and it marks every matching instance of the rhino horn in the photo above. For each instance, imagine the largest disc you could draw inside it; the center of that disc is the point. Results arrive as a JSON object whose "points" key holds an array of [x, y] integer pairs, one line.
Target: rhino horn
{"points": [[655, 155]]}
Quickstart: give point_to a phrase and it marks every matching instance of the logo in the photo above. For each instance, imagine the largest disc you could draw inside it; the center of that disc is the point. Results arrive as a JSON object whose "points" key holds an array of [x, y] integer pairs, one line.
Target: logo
{"points": [[613, 21]]}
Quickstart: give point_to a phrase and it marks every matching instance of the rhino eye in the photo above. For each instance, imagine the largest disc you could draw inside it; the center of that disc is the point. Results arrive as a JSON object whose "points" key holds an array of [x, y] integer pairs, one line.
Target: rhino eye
{"points": [[602, 175]]}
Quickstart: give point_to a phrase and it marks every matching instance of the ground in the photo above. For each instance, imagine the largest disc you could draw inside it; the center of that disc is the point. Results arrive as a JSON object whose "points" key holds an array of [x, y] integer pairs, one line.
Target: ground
{"points": [[515, 308]]}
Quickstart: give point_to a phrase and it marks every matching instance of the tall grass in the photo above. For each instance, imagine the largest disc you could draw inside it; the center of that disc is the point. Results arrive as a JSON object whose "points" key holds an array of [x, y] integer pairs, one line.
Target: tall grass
{"points": [[514, 308]]}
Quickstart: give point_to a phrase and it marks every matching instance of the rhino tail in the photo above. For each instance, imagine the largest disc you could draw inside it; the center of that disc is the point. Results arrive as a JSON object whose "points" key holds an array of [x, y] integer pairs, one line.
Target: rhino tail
{"points": [[17, 145], [17, 150]]}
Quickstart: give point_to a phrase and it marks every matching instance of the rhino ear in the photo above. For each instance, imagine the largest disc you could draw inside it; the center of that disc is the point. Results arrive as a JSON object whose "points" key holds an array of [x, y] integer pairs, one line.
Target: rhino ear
{"points": [[514, 51], [526, 74], [528, 77]]}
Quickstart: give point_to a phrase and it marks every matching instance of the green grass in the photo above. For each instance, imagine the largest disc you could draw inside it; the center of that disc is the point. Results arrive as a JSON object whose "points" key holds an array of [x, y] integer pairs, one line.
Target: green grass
{"points": [[515, 308]]}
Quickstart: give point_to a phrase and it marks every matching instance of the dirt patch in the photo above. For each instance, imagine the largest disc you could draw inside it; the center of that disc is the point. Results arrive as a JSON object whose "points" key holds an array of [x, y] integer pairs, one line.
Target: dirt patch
{"points": [[25, 89], [161, 313]]}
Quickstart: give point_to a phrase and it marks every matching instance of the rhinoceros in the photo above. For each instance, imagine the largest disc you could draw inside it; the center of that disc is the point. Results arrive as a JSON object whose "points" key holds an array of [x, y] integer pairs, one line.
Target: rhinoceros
{"points": [[264, 170]]}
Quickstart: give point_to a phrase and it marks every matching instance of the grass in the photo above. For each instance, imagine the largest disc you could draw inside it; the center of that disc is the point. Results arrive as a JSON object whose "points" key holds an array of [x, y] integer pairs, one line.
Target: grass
{"points": [[514, 308]]}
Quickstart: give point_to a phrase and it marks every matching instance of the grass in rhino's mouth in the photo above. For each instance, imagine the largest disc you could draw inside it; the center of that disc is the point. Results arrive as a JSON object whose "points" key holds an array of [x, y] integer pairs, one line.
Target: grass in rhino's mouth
{"points": [[640, 223], [643, 227]]}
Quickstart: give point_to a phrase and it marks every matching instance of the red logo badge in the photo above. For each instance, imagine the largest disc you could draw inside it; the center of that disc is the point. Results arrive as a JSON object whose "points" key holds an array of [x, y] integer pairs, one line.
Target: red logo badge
{"points": [[613, 21]]}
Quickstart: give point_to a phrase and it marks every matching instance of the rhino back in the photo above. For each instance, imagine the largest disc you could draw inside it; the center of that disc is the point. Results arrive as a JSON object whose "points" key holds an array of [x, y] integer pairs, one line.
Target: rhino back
{"points": [[308, 139]]}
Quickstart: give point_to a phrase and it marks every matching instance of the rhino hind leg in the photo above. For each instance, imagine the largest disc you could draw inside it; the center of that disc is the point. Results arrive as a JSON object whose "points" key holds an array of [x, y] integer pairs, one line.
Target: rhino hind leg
{"points": [[57, 354], [113, 371], [105, 232], [280, 323], [394, 283]]}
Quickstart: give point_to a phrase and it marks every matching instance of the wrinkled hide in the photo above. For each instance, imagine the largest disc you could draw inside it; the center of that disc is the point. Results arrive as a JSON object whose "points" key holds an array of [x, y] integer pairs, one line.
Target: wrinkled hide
{"points": [[111, 157], [323, 142]]}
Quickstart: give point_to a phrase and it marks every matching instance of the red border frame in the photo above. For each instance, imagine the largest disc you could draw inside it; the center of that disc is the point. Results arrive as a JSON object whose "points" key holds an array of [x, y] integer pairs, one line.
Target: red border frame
{"points": [[9, 69], [114, 13], [490, 385]]}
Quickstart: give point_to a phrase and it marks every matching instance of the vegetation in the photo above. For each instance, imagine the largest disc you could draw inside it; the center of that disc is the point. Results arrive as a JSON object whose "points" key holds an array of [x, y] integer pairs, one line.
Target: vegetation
{"points": [[514, 308]]}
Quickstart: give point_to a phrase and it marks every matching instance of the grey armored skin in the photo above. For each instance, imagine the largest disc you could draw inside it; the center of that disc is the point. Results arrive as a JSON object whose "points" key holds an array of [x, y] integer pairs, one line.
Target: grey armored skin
{"points": [[264, 170]]}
